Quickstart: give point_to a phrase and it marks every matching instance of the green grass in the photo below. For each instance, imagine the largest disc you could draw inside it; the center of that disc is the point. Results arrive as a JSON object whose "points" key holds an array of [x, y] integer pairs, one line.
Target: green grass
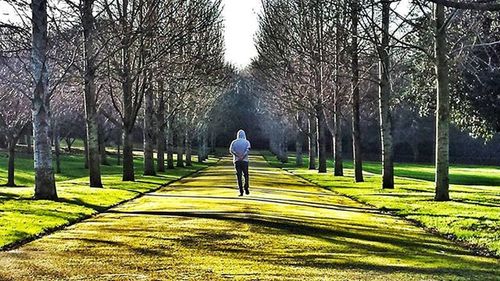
{"points": [[21, 217], [473, 215], [287, 229], [459, 174]]}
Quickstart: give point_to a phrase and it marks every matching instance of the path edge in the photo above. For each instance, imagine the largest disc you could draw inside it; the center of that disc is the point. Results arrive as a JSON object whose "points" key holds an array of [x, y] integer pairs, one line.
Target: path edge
{"points": [[16, 244]]}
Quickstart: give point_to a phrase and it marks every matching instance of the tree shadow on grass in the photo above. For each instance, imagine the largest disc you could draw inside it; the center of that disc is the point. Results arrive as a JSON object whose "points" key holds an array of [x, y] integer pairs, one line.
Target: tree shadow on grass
{"points": [[329, 206], [79, 202], [423, 249]]}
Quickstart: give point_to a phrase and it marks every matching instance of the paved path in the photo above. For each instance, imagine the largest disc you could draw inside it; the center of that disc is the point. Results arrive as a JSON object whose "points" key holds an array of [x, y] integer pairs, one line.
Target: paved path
{"points": [[199, 229]]}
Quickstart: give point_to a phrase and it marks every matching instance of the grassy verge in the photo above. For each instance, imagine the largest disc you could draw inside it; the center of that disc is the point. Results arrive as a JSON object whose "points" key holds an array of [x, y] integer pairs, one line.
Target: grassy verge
{"points": [[472, 217], [22, 218]]}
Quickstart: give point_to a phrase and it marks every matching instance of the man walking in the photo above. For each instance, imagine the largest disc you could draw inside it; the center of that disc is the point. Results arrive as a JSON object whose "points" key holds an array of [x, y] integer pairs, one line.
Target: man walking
{"points": [[240, 148]]}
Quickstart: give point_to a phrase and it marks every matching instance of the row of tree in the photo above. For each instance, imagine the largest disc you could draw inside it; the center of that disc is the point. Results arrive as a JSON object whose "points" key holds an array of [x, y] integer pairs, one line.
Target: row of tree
{"points": [[319, 67], [104, 65]]}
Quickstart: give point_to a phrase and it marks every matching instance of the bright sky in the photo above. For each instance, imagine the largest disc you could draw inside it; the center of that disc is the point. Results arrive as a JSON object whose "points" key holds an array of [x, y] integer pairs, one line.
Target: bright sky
{"points": [[241, 24]]}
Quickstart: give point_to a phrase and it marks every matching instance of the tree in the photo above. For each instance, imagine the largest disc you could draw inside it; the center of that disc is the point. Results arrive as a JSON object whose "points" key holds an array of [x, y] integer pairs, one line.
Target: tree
{"points": [[14, 112], [45, 185], [384, 100], [356, 131], [443, 106]]}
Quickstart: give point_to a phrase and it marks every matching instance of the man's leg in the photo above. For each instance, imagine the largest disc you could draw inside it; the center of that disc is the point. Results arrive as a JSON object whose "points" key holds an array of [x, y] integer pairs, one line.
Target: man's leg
{"points": [[245, 173], [239, 171]]}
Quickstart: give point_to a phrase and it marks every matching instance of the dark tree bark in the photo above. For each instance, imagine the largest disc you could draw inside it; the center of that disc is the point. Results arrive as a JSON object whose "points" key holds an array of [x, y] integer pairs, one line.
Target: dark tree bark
{"points": [[128, 157], [205, 146], [29, 143], [57, 147], [118, 155], [160, 131], [170, 144], [102, 148], [148, 133], [298, 149], [69, 144], [384, 102], [85, 153], [189, 149], [443, 107], [11, 143], [90, 95], [180, 149], [45, 185], [338, 169], [213, 140], [356, 132], [320, 116], [129, 114], [312, 143]]}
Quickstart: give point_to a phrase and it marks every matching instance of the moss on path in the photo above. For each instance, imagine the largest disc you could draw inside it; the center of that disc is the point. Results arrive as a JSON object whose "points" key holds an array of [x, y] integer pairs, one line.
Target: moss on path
{"points": [[199, 229]]}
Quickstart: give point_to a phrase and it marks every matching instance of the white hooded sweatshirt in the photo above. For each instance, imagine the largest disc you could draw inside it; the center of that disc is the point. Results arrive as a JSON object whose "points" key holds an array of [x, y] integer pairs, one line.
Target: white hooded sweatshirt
{"points": [[240, 147]]}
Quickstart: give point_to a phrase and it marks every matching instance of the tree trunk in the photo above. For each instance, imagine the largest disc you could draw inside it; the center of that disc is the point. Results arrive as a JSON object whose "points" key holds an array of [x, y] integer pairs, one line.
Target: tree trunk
{"points": [[148, 133], [118, 155], [57, 147], [384, 102], [170, 144], [69, 143], [443, 107], [312, 143], [338, 169], [128, 156], [85, 153], [180, 149], [321, 139], [298, 149], [200, 148], [90, 96], [356, 132], [45, 185], [205, 145], [102, 149], [160, 148], [29, 143], [160, 133], [189, 149], [11, 166], [213, 140]]}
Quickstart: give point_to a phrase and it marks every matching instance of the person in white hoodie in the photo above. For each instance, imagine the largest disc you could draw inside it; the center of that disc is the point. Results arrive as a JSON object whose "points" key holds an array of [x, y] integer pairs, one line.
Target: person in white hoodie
{"points": [[239, 148]]}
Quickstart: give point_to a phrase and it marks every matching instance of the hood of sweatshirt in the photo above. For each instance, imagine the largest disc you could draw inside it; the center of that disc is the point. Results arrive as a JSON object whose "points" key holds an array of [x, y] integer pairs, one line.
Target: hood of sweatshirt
{"points": [[241, 135]]}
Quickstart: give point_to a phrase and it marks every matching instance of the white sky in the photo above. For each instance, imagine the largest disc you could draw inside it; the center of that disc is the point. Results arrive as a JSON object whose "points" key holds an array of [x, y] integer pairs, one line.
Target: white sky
{"points": [[240, 19]]}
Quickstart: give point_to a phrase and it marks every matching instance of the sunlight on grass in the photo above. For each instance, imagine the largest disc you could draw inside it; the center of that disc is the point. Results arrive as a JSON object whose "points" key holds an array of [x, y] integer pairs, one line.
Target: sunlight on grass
{"points": [[473, 215], [287, 229], [23, 218]]}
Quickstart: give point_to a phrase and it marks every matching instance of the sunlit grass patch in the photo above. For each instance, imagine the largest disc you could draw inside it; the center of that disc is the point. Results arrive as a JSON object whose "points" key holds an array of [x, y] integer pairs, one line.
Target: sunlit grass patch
{"points": [[473, 215], [21, 217], [287, 229]]}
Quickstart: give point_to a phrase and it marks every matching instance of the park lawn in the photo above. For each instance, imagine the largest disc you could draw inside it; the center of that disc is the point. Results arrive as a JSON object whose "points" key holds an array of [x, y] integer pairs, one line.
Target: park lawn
{"points": [[471, 217], [286, 229], [459, 173], [22, 218]]}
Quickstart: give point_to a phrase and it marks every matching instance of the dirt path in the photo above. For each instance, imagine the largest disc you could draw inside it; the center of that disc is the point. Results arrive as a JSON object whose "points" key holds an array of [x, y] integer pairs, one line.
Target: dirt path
{"points": [[199, 229]]}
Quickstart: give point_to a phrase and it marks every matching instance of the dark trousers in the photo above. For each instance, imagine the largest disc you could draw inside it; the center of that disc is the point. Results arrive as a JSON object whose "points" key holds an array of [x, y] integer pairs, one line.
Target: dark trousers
{"points": [[242, 168]]}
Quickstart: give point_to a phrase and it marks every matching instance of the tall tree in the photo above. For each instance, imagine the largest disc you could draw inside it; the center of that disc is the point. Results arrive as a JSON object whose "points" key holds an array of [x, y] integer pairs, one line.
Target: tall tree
{"points": [[91, 115], [443, 106], [45, 185], [356, 130], [384, 100]]}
